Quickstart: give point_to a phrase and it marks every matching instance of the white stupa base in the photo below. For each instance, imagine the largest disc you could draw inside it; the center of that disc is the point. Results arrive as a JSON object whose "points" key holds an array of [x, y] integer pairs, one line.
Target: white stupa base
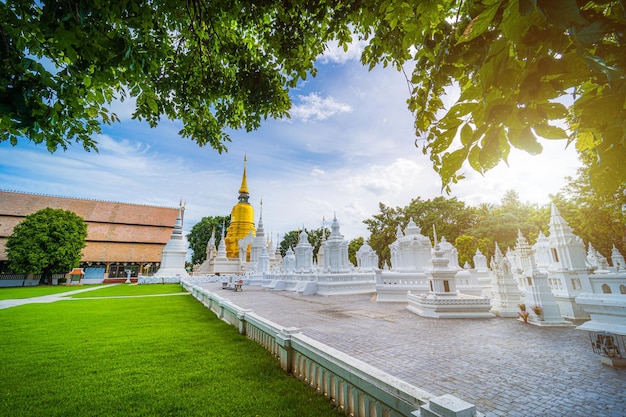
{"points": [[318, 283], [393, 286], [171, 272], [505, 312], [396, 294], [158, 280], [450, 307], [551, 322]]}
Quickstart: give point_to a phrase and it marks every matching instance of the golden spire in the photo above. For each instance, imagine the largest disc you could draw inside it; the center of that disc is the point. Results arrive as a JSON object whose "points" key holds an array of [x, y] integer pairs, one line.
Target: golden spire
{"points": [[244, 181]]}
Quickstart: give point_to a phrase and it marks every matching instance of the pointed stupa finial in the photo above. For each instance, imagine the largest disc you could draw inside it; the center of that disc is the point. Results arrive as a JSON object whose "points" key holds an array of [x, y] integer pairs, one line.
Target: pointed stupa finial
{"points": [[435, 234], [554, 210], [498, 255], [181, 213], [244, 180]]}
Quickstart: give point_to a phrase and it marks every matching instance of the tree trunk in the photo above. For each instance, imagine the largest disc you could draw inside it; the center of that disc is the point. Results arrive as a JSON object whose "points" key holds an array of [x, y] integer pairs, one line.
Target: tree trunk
{"points": [[46, 277]]}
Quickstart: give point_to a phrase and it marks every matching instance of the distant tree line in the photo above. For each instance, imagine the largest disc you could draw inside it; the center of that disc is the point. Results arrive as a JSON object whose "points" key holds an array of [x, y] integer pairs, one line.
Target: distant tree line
{"points": [[597, 218]]}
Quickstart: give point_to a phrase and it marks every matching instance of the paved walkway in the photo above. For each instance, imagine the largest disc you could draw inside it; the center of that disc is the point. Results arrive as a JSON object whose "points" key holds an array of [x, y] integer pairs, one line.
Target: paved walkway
{"points": [[48, 298], [503, 366], [64, 296]]}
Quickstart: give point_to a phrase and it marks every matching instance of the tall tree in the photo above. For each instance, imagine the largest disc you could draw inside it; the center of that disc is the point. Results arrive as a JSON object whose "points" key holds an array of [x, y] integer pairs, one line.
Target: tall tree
{"points": [[47, 242], [523, 68], [596, 218], [449, 216], [290, 240], [501, 223], [353, 247], [382, 228], [466, 247], [201, 232], [315, 238]]}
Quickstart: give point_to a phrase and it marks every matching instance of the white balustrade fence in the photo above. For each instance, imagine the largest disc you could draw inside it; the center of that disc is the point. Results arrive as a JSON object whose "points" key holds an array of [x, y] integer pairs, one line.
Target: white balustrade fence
{"points": [[359, 389]]}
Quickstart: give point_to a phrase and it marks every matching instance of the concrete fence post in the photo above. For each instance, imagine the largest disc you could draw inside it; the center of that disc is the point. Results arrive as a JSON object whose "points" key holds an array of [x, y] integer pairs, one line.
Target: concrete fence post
{"points": [[447, 406], [283, 340], [241, 317]]}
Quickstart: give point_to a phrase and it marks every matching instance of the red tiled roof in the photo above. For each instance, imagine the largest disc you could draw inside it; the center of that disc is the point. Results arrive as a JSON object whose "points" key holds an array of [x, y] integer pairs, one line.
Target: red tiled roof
{"points": [[116, 232]]}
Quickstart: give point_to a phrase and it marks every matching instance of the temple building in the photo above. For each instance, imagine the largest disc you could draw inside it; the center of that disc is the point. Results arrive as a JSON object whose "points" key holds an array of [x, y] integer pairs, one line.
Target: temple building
{"points": [[239, 250], [241, 220], [121, 237]]}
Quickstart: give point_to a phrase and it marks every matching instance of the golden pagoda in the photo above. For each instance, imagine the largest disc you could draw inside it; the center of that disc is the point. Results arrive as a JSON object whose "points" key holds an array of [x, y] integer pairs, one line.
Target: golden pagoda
{"points": [[241, 220]]}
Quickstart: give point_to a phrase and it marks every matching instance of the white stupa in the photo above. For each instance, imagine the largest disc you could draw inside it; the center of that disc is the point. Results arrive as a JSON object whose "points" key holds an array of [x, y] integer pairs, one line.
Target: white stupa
{"points": [[410, 257], [544, 310], [443, 299], [174, 252], [304, 254], [506, 293], [336, 251], [259, 242], [366, 258], [482, 271]]}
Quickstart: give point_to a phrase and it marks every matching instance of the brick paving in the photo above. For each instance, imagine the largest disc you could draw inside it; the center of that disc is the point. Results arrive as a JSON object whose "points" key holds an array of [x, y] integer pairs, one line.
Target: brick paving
{"points": [[503, 366]]}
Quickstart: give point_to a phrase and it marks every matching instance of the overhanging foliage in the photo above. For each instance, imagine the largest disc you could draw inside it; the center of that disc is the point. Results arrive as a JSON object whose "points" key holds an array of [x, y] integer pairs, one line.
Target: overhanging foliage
{"points": [[527, 70]]}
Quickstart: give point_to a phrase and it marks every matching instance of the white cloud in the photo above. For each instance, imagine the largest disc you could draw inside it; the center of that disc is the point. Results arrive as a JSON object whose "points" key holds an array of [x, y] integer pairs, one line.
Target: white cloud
{"points": [[315, 107], [303, 171], [124, 109], [380, 180], [336, 54], [533, 177]]}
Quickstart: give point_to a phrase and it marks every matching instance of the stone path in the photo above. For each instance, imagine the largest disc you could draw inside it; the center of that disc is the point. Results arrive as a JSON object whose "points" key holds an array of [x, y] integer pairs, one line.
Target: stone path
{"points": [[64, 296], [48, 298], [503, 366]]}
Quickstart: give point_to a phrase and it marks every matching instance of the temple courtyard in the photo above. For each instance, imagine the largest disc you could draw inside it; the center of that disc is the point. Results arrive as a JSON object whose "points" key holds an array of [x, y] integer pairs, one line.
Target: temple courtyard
{"points": [[502, 365]]}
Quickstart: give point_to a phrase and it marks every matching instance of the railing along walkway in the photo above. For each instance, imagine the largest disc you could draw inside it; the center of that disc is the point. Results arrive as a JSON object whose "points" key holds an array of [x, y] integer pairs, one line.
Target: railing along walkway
{"points": [[355, 387]]}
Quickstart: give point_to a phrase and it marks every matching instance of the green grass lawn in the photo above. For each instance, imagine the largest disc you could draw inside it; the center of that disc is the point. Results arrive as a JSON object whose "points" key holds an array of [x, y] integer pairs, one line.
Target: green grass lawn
{"points": [[152, 356], [131, 290]]}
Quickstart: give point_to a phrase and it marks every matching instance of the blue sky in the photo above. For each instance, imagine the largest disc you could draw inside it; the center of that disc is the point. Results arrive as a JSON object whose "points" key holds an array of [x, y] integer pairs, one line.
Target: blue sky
{"points": [[348, 146]]}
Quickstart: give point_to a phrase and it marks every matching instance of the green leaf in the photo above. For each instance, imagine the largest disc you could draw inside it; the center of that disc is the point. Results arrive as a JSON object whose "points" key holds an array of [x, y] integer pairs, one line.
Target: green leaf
{"points": [[480, 24], [499, 113], [152, 104], [526, 6], [599, 64], [466, 134], [494, 148], [473, 158], [525, 140], [452, 162], [550, 132], [460, 109], [449, 122], [443, 140], [552, 111], [563, 13], [593, 33]]}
